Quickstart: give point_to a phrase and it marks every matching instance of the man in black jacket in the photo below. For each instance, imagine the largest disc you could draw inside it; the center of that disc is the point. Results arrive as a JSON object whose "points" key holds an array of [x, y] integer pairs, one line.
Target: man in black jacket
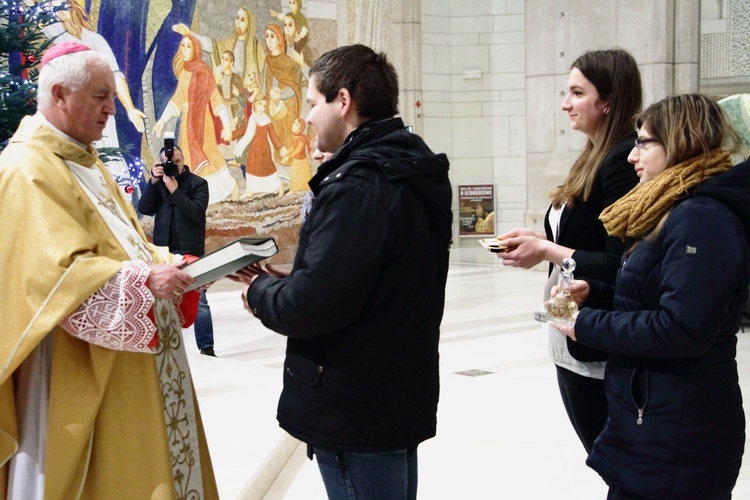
{"points": [[363, 303], [179, 203]]}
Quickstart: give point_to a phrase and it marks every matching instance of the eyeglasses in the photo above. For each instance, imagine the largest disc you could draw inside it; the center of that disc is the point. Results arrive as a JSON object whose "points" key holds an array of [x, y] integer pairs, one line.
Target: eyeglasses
{"points": [[641, 142]]}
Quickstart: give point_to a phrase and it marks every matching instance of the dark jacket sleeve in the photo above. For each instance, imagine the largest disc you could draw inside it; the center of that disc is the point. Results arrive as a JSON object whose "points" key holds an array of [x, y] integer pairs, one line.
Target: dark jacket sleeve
{"points": [[148, 204], [616, 178], [344, 252], [601, 295], [701, 262]]}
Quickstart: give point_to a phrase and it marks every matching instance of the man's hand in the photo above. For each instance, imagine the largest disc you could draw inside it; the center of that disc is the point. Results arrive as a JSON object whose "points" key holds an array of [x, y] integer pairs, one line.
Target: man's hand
{"points": [[244, 300], [171, 183], [249, 274], [157, 173], [168, 281]]}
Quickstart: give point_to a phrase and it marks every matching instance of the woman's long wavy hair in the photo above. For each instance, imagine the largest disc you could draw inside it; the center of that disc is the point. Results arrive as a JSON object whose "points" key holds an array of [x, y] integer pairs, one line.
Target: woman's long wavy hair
{"points": [[614, 73]]}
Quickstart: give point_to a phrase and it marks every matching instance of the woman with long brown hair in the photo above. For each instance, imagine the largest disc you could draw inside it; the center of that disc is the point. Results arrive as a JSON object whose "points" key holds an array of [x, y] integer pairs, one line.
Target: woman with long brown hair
{"points": [[604, 95]]}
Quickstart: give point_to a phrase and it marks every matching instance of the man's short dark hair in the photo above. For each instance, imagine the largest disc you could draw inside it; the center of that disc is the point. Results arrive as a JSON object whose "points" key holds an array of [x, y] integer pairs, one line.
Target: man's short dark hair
{"points": [[368, 76]]}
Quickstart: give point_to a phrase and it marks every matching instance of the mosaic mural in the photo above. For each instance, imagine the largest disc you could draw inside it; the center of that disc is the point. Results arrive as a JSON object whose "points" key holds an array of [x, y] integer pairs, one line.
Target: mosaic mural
{"points": [[229, 79]]}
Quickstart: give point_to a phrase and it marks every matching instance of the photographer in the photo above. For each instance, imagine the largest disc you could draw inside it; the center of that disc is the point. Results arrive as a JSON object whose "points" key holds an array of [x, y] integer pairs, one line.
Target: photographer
{"points": [[178, 199]]}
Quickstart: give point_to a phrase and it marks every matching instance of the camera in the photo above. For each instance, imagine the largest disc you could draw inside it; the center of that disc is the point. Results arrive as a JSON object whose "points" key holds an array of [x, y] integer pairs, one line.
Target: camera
{"points": [[170, 167]]}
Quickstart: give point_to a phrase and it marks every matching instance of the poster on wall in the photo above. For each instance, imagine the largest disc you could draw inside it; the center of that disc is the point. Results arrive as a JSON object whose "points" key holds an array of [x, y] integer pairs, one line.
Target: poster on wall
{"points": [[476, 210]]}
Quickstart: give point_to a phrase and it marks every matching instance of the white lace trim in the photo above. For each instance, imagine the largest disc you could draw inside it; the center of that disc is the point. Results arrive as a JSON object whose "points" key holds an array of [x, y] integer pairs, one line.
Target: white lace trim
{"points": [[116, 315]]}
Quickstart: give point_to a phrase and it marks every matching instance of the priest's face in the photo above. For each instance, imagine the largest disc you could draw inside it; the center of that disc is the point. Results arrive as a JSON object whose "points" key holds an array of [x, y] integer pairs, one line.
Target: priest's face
{"points": [[85, 111]]}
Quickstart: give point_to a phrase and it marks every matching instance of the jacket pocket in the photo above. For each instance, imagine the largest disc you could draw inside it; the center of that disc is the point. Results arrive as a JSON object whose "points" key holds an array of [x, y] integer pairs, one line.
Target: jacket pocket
{"points": [[303, 370]]}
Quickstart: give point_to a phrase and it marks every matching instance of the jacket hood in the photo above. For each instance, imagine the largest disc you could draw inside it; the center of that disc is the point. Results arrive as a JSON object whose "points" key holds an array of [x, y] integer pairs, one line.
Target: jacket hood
{"points": [[402, 156], [733, 189]]}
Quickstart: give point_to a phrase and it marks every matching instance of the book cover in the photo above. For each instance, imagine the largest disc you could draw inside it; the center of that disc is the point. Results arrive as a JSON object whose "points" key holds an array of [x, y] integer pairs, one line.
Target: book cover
{"points": [[229, 259]]}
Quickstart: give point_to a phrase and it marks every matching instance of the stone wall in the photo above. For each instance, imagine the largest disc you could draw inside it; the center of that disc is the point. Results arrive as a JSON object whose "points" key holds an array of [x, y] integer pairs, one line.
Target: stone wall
{"points": [[475, 99]]}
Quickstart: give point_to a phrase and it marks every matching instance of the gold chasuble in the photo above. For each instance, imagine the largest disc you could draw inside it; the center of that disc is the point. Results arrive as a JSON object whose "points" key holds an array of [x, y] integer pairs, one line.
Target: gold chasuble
{"points": [[119, 424]]}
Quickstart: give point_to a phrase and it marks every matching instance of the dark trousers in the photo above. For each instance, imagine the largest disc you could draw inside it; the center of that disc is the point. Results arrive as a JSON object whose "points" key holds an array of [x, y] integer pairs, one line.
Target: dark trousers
{"points": [[369, 476], [586, 404], [204, 325]]}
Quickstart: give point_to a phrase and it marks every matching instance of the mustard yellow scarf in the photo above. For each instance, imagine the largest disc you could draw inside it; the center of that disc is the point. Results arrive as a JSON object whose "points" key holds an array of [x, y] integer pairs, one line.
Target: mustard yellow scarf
{"points": [[638, 212]]}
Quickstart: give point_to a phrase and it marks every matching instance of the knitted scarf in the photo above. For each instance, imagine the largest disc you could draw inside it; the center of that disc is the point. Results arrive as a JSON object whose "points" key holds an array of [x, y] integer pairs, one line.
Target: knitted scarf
{"points": [[638, 212]]}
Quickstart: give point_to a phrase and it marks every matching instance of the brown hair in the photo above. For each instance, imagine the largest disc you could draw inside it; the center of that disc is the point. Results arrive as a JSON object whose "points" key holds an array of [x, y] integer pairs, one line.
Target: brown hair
{"points": [[368, 76], [614, 73], [688, 125]]}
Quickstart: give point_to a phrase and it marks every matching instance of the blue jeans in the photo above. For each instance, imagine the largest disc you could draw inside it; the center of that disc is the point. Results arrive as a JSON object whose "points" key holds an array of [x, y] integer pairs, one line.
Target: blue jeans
{"points": [[363, 476], [204, 325]]}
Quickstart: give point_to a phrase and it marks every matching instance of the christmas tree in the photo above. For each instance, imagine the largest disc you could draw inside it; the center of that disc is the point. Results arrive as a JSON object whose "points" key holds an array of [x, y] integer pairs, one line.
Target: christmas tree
{"points": [[21, 45]]}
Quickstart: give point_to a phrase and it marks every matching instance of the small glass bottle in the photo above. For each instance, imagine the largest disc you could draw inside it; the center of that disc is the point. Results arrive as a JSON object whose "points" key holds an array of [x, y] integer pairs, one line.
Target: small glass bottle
{"points": [[561, 307]]}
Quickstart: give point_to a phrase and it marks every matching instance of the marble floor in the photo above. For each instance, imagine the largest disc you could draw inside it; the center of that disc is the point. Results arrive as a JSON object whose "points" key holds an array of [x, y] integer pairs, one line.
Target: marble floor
{"points": [[502, 429]]}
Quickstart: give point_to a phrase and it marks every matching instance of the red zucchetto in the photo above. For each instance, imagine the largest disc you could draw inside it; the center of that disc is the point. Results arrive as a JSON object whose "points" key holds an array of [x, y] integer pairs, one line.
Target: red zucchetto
{"points": [[62, 49]]}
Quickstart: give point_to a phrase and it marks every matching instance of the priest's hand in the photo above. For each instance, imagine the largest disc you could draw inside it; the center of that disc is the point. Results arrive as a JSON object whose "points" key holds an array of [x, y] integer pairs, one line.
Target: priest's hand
{"points": [[167, 281]]}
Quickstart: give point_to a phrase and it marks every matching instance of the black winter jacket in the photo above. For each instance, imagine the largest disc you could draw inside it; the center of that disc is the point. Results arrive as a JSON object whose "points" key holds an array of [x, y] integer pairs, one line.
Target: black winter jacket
{"points": [[363, 304], [180, 222], [676, 427]]}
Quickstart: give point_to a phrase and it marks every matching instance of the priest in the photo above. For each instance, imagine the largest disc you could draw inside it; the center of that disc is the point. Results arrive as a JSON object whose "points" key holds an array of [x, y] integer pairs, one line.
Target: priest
{"points": [[96, 398]]}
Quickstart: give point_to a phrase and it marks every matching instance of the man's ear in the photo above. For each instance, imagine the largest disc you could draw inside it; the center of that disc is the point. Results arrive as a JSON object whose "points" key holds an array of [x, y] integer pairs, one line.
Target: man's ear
{"points": [[58, 94], [347, 105]]}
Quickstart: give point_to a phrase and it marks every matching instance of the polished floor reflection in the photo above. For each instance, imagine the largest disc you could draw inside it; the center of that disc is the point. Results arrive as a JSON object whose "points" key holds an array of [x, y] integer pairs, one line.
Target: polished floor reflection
{"points": [[502, 429]]}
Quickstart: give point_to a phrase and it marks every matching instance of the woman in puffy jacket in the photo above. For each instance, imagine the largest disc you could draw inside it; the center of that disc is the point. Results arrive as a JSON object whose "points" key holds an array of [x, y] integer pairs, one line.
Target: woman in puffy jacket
{"points": [[675, 425]]}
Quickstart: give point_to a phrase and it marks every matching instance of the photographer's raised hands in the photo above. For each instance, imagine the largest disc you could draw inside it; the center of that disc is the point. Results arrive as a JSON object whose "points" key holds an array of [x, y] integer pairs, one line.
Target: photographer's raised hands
{"points": [[157, 174]]}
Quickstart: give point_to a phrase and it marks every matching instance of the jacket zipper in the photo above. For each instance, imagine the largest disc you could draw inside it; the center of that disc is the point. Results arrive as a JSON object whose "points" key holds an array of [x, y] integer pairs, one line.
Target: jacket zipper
{"points": [[640, 409]]}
